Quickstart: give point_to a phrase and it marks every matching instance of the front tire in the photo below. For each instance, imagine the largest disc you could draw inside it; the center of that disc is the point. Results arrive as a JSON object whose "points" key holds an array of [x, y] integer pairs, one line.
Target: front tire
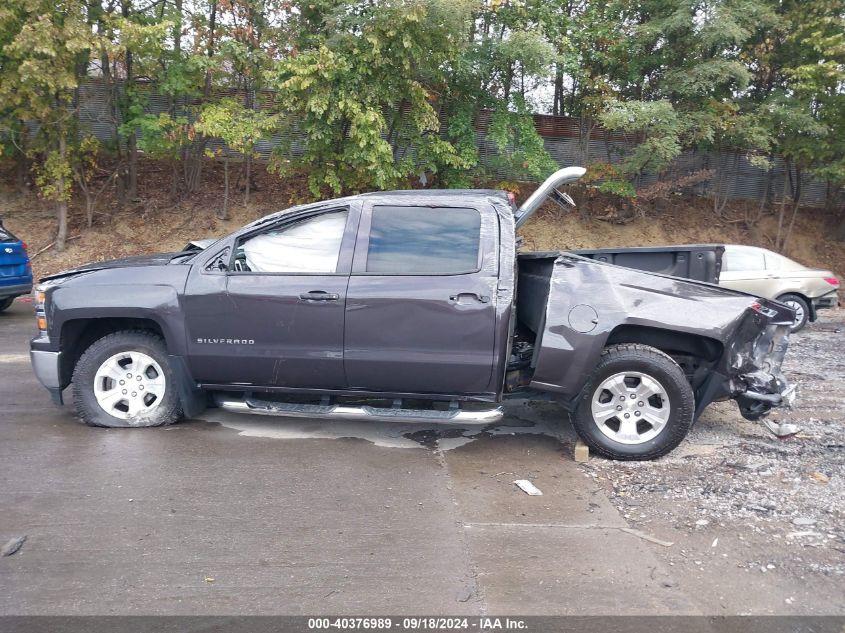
{"points": [[124, 380], [637, 404], [5, 303], [802, 310]]}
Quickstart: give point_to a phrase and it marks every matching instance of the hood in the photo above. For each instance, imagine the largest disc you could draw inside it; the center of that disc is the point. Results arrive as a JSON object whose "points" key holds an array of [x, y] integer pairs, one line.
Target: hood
{"points": [[199, 245], [158, 259]]}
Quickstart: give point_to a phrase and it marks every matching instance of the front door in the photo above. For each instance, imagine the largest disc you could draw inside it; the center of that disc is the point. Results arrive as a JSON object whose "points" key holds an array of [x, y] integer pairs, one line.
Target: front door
{"points": [[280, 322], [421, 303]]}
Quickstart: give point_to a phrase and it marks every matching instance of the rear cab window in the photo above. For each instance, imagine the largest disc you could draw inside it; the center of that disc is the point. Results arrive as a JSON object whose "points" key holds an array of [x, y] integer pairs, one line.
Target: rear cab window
{"points": [[5, 236], [406, 240]]}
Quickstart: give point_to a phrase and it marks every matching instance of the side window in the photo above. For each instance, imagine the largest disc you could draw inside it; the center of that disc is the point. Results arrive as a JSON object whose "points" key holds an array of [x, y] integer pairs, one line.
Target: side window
{"points": [[220, 261], [744, 259], [773, 261], [311, 245], [423, 240]]}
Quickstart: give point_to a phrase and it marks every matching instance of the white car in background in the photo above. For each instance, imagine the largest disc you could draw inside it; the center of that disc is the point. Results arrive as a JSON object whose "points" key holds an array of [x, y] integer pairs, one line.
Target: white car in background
{"points": [[771, 275]]}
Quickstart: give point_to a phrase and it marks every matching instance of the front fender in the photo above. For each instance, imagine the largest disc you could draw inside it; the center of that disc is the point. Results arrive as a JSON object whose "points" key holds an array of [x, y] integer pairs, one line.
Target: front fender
{"points": [[157, 303]]}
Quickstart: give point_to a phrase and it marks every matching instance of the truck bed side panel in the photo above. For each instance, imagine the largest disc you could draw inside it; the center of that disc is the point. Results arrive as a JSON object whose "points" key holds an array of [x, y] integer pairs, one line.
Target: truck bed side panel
{"points": [[701, 262], [585, 301]]}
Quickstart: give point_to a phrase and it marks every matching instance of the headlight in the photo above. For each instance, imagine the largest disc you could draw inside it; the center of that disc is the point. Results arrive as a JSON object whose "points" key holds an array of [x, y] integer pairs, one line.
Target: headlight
{"points": [[40, 312]]}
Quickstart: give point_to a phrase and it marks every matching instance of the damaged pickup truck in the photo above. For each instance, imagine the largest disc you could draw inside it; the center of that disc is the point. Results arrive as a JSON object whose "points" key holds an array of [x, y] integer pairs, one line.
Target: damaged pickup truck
{"points": [[406, 305]]}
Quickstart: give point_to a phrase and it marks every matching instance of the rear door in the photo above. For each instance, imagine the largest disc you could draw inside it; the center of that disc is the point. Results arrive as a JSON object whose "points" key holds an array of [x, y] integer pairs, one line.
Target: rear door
{"points": [[420, 307]]}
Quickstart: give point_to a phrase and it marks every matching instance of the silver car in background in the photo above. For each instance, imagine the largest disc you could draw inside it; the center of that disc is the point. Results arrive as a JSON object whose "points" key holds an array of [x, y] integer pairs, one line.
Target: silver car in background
{"points": [[768, 274]]}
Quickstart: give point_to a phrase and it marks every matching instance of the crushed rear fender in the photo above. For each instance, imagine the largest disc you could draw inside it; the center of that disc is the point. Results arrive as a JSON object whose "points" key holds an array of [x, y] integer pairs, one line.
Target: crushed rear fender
{"points": [[591, 304]]}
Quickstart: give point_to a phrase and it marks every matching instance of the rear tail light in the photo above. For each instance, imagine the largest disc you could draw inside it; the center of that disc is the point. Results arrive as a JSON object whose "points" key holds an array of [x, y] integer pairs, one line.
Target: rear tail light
{"points": [[758, 307], [23, 244], [833, 281]]}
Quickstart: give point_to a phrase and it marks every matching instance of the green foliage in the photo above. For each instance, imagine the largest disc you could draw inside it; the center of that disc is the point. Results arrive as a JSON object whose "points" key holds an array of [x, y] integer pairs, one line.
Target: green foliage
{"points": [[610, 179], [382, 93], [161, 136], [44, 45], [621, 188], [52, 175], [520, 147], [239, 127], [656, 127], [461, 134], [363, 96]]}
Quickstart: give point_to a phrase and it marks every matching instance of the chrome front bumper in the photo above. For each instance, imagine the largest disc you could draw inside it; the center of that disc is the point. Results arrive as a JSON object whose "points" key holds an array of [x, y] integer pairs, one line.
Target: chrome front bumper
{"points": [[46, 365]]}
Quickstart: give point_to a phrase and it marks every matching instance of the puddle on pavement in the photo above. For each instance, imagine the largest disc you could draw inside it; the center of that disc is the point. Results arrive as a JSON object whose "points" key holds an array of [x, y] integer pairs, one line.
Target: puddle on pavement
{"points": [[521, 418]]}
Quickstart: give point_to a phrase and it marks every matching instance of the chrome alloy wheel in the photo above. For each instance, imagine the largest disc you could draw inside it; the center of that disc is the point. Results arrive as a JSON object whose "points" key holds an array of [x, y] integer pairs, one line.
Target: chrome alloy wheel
{"points": [[630, 407], [799, 312], [129, 385]]}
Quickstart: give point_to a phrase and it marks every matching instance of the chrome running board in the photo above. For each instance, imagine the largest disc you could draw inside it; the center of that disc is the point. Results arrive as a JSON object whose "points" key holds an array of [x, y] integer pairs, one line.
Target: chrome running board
{"points": [[363, 412]]}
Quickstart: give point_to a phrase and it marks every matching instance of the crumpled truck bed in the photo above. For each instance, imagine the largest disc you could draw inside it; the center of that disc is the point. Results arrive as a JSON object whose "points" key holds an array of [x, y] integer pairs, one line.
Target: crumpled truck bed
{"points": [[576, 306]]}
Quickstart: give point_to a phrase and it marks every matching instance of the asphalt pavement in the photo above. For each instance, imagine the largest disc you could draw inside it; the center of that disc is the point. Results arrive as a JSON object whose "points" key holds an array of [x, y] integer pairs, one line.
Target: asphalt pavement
{"points": [[233, 514]]}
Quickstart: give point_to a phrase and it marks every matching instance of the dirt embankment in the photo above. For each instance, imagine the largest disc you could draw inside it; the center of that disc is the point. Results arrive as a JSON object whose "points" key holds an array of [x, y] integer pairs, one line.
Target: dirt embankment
{"points": [[158, 221]]}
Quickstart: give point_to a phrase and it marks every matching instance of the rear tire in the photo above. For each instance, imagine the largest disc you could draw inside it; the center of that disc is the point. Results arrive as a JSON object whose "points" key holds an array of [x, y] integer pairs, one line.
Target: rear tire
{"points": [[5, 303], [802, 310], [637, 404], [124, 380]]}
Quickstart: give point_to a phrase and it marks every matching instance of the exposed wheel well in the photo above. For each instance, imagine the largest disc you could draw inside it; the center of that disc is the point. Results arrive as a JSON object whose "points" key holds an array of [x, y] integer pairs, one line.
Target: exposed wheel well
{"points": [[793, 292], [695, 354], [78, 334]]}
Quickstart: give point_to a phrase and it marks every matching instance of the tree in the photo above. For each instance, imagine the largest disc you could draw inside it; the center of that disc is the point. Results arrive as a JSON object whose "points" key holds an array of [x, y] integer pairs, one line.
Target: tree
{"points": [[816, 76], [49, 43], [654, 126], [362, 91], [240, 128]]}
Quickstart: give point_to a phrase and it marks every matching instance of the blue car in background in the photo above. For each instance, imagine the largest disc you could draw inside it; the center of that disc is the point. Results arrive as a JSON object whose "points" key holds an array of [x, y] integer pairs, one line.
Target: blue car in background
{"points": [[15, 269]]}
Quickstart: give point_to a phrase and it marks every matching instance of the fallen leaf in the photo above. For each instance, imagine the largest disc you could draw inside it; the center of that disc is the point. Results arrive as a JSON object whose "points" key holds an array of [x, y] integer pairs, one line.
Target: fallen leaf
{"points": [[820, 477]]}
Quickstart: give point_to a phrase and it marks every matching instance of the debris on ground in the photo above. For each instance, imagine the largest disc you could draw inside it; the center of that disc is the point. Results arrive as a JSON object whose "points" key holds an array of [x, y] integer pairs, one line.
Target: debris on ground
{"points": [[13, 545], [778, 505], [528, 488]]}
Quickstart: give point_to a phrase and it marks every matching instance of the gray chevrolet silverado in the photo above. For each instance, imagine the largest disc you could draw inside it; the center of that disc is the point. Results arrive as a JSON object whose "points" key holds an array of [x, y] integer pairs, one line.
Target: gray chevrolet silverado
{"points": [[409, 305]]}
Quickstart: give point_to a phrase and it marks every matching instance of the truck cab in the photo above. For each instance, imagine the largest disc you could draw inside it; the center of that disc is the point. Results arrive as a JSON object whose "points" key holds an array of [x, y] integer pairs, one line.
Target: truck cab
{"points": [[406, 304]]}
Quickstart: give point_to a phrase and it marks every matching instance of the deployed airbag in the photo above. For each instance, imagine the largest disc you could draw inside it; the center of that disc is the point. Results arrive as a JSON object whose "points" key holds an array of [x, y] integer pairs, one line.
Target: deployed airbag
{"points": [[310, 246]]}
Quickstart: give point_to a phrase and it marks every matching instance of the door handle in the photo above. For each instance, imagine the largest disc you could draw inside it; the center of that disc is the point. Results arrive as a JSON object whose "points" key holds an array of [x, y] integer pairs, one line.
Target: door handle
{"points": [[319, 295], [469, 295]]}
